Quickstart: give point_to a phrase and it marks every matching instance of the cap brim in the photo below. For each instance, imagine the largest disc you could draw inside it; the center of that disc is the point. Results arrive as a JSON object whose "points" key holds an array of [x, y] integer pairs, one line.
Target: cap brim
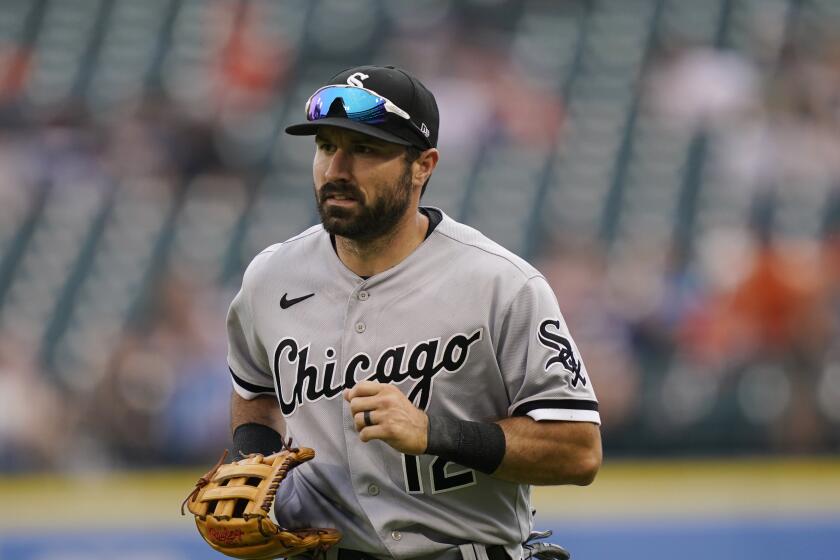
{"points": [[309, 128]]}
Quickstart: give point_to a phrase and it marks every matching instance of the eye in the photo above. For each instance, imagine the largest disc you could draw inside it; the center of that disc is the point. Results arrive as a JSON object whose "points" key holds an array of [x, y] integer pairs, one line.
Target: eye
{"points": [[325, 147], [364, 149]]}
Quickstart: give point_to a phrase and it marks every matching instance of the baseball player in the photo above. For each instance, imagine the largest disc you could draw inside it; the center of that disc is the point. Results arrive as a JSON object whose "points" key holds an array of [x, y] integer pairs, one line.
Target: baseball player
{"points": [[429, 367]]}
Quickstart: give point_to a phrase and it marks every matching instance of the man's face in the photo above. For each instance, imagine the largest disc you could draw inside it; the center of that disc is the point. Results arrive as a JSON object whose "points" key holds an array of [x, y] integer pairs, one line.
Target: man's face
{"points": [[363, 185]]}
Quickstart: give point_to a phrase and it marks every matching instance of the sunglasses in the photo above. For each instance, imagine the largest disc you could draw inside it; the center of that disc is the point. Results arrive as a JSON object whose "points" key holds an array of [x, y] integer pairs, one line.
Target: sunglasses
{"points": [[360, 104]]}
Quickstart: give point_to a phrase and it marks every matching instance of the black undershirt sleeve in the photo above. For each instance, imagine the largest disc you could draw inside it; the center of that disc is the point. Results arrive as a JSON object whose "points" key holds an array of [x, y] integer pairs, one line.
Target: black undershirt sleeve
{"points": [[255, 438]]}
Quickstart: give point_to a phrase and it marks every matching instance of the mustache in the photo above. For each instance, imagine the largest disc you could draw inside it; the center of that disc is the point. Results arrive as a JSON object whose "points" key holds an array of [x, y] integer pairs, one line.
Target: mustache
{"points": [[345, 189]]}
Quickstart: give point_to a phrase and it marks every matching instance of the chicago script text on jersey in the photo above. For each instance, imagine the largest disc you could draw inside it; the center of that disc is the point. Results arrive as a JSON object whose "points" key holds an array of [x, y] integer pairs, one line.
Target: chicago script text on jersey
{"points": [[394, 365]]}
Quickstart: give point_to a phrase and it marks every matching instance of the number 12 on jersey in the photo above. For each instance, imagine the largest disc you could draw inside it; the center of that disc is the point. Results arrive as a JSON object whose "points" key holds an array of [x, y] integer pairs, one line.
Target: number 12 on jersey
{"points": [[445, 476]]}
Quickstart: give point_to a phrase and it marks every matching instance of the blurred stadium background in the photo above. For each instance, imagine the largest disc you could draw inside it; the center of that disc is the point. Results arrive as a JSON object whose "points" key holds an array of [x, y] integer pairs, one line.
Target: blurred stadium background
{"points": [[672, 166]]}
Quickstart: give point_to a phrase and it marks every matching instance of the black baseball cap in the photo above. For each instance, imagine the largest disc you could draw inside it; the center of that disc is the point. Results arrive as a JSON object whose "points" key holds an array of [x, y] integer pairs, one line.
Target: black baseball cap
{"points": [[389, 82]]}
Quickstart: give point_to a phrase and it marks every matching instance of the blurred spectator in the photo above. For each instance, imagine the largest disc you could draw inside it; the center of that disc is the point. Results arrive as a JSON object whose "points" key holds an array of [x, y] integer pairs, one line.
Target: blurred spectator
{"points": [[768, 311], [33, 419], [794, 140], [700, 86], [15, 67], [252, 60]]}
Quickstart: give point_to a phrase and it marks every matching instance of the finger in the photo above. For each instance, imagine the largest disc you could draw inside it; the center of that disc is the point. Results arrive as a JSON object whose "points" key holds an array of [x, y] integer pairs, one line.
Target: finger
{"points": [[376, 431], [359, 420], [359, 404], [364, 389]]}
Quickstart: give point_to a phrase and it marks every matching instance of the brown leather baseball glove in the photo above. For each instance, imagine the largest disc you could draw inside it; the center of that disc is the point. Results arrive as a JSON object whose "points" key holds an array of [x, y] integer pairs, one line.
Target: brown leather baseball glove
{"points": [[231, 504]]}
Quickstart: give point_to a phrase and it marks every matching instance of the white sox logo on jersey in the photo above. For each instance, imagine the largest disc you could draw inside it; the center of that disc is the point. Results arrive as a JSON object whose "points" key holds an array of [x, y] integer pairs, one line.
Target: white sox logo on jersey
{"points": [[565, 354], [391, 366]]}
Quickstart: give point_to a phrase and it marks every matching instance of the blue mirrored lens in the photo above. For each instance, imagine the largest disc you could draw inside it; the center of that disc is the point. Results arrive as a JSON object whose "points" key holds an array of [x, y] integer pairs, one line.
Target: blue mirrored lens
{"points": [[360, 105]]}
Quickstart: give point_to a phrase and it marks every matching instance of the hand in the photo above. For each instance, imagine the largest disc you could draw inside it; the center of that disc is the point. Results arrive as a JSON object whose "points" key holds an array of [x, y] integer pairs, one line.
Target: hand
{"points": [[396, 421]]}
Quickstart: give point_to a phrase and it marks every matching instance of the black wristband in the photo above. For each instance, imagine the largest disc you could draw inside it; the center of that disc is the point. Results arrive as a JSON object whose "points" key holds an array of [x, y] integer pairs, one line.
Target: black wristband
{"points": [[255, 438], [477, 445]]}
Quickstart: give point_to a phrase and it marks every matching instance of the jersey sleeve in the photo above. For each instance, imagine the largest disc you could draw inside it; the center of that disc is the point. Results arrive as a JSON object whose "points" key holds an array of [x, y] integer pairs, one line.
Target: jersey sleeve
{"points": [[542, 367], [247, 358]]}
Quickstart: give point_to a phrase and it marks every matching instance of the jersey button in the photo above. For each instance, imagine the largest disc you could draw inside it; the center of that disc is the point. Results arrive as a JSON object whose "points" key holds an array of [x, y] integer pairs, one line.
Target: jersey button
{"points": [[364, 295], [396, 535], [373, 490], [360, 327]]}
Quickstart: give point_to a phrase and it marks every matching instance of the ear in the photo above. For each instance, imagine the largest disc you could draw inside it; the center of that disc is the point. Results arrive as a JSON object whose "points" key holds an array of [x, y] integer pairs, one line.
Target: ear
{"points": [[424, 165]]}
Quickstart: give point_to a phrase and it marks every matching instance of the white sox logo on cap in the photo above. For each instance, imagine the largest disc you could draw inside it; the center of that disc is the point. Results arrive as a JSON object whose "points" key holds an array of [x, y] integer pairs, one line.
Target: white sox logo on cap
{"points": [[355, 80]]}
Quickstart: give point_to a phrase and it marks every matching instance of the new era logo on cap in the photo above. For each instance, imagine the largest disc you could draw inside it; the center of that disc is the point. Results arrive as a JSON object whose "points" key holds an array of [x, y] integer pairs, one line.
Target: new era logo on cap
{"points": [[397, 86]]}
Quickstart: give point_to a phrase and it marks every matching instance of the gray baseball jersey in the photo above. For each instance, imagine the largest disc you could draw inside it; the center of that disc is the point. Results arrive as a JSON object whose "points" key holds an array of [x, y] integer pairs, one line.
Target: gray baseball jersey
{"points": [[462, 326]]}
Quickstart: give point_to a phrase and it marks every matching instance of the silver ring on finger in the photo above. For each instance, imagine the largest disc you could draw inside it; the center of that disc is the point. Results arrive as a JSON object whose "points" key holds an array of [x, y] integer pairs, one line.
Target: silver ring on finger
{"points": [[368, 421]]}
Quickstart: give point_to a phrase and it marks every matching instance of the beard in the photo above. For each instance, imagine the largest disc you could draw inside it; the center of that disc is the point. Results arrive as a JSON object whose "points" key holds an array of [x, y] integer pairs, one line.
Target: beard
{"points": [[365, 221]]}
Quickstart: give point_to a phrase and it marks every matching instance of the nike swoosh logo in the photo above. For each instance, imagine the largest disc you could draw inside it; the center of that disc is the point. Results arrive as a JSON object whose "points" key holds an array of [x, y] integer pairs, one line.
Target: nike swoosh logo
{"points": [[287, 303]]}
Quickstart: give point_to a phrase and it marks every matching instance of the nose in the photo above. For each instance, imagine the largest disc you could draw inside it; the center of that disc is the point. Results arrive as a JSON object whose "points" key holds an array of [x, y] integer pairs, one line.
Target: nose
{"points": [[340, 166]]}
